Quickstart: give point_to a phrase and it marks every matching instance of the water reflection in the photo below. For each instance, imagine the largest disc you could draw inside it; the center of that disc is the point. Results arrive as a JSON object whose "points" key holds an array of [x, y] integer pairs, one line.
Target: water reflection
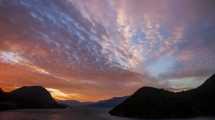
{"points": [[72, 114]]}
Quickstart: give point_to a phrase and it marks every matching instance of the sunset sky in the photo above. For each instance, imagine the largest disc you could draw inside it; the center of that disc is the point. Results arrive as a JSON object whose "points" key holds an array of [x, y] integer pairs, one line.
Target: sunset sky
{"points": [[90, 50]]}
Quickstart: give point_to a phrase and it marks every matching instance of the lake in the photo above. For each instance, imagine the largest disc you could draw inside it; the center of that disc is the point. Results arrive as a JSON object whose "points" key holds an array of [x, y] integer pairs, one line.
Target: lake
{"points": [[66, 114]]}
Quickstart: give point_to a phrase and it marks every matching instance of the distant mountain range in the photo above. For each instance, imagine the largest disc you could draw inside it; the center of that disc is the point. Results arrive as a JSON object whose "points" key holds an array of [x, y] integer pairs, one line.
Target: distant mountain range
{"points": [[147, 102], [110, 103], [36, 97], [72, 103], [150, 102], [104, 104], [27, 97]]}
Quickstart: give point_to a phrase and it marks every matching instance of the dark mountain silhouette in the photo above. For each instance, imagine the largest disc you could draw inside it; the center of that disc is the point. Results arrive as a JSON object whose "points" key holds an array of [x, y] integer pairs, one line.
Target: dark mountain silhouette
{"points": [[27, 97], [150, 102], [103, 104], [110, 103], [2, 95]]}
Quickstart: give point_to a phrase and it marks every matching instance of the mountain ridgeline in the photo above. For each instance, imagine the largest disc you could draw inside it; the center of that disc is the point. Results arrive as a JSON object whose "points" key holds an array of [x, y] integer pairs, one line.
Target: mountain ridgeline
{"points": [[150, 102], [108, 104], [34, 97], [103, 104]]}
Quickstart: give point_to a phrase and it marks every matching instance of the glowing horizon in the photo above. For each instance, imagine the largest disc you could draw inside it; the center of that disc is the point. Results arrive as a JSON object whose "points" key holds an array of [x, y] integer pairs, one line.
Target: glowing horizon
{"points": [[94, 50]]}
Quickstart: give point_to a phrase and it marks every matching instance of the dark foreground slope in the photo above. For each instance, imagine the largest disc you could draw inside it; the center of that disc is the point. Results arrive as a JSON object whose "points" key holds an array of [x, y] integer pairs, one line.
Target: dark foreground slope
{"points": [[155, 103], [27, 97]]}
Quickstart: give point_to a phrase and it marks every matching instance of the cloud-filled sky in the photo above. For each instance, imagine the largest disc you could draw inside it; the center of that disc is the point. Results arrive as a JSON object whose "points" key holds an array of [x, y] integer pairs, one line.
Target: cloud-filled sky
{"points": [[96, 49]]}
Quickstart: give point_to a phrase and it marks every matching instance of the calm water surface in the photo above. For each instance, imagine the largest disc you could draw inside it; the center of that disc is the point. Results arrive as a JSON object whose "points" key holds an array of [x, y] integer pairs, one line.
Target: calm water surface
{"points": [[66, 114]]}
